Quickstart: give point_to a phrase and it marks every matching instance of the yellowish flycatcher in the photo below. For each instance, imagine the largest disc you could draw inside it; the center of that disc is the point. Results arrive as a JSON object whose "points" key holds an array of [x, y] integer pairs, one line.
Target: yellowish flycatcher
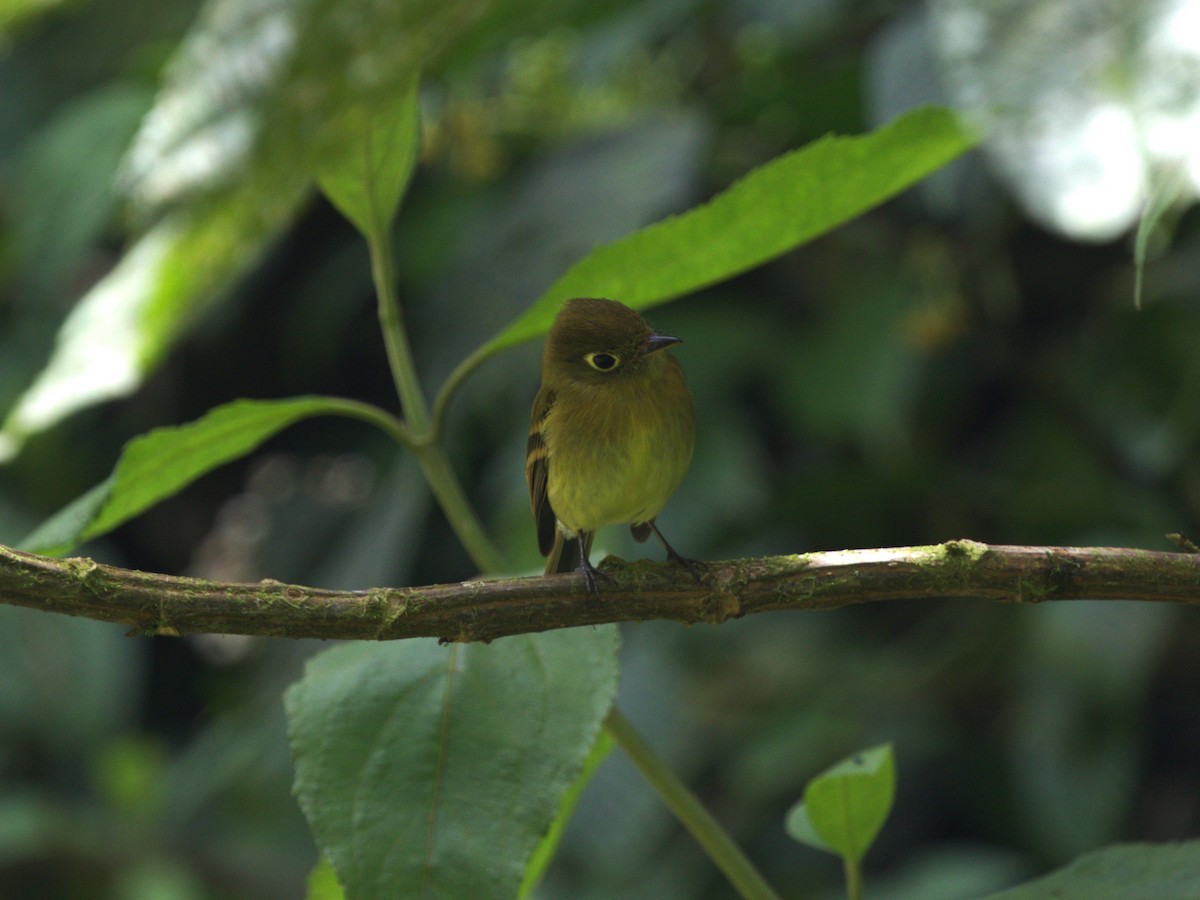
{"points": [[611, 433]]}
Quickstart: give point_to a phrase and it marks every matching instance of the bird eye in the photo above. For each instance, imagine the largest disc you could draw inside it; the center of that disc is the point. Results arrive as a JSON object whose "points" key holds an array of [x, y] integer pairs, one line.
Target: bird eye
{"points": [[602, 362]]}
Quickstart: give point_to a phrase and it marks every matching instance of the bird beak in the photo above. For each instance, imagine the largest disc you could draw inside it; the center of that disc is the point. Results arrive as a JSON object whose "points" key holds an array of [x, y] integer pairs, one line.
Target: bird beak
{"points": [[658, 341]]}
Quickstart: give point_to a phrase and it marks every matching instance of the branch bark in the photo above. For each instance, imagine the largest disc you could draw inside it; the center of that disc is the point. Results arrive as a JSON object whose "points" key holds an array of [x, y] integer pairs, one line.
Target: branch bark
{"points": [[484, 610]]}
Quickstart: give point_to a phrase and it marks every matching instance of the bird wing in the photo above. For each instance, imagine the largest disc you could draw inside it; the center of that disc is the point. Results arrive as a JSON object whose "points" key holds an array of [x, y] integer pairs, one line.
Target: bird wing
{"points": [[537, 472]]}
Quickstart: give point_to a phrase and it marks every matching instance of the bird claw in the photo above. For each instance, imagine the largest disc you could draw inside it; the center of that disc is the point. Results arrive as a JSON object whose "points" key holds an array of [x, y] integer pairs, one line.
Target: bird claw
{"points": [[590, 574], [694, 566]]}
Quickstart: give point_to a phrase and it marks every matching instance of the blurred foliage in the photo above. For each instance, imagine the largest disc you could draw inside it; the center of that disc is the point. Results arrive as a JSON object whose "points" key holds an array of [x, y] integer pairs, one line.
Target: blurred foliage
{"points": [[938, 368]]}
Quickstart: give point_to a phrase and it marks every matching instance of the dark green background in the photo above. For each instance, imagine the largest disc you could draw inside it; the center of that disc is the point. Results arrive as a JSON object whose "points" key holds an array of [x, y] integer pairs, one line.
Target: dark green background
{"points": [[939, 368]]}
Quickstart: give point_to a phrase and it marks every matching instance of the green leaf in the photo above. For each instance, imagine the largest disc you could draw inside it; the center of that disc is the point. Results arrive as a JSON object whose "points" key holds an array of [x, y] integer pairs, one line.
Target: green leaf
{"points": [[164, 461], [435, 771], [544, 854], [1121, 872], [368, 166], [775, 208], [845, 806]]}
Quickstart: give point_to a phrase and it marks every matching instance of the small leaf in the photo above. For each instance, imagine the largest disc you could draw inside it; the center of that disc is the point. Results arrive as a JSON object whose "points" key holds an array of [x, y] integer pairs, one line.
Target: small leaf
{"points": [[1121, 872], [367, 156], [162, 462], [845, 806], [775, 208], [430, 771]]}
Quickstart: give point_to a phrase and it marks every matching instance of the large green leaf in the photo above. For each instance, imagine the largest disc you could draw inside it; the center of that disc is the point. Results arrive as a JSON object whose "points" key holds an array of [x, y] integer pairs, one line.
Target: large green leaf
{"points": [[429, 771], [164, 461], [1122, 872], [773, 209]]}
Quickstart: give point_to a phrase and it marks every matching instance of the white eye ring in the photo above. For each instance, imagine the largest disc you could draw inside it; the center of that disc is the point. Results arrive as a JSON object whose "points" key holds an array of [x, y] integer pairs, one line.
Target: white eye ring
{"points": [[603, 362]]}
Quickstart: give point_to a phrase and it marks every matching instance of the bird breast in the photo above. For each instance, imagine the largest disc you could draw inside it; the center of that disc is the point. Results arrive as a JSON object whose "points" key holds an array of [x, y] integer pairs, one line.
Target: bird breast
{"points": [[619, 449]]}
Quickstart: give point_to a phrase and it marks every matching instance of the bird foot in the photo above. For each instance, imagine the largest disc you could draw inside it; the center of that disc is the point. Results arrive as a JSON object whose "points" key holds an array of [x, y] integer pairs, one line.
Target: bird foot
{"points": [[694, 566], [591, 574]]}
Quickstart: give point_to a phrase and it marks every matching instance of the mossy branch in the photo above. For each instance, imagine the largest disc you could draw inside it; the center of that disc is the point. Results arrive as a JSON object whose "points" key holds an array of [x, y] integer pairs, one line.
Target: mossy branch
{"points": [[483, 610]]}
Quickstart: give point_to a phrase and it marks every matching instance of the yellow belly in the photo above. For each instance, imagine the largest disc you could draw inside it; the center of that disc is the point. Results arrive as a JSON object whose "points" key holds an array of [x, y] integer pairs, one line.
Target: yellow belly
{"points": [[616, 460]]}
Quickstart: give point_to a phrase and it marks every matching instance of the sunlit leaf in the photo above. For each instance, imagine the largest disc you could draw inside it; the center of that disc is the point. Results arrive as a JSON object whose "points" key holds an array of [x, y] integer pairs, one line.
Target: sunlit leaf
{"points": [[773, 209], [435, 771], [845, 806], [125, 325], [164, 461], [1122, 872]]}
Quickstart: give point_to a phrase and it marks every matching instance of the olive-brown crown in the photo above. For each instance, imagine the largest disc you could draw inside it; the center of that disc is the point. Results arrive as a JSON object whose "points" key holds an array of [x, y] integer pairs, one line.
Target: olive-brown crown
{"points": [[592, 337]]}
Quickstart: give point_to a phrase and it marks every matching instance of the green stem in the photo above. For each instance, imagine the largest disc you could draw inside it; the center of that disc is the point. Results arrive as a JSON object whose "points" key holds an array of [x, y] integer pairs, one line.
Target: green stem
{"points": [[365, 412], [415, 432], [853, 878], [395, 338], [446, 487], [719, 846], [457, 377]]}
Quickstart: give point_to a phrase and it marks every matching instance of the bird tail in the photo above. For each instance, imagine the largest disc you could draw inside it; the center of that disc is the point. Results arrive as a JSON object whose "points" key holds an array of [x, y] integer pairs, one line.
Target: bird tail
{"points": [[566, 555]]}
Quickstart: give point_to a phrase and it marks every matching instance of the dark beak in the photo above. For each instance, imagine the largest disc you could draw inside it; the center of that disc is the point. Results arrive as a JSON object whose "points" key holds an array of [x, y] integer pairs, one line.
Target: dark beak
{"points": [[658, 341]]}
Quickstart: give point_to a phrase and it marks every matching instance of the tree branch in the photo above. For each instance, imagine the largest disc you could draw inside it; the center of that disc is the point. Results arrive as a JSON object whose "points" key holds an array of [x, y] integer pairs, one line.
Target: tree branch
{"points": [[483, 610]]}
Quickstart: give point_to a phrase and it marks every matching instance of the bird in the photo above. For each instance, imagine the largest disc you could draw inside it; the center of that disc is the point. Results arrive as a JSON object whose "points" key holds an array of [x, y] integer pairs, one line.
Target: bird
{"points": [[611, 433]]}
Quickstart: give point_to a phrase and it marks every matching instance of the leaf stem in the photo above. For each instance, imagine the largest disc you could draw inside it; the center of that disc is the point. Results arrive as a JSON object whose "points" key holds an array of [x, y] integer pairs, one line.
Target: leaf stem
{"points": [[457, 508], [853, 878], [395, 337], [372, 415], [416, 432], [716, 842], [452, 384]]}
